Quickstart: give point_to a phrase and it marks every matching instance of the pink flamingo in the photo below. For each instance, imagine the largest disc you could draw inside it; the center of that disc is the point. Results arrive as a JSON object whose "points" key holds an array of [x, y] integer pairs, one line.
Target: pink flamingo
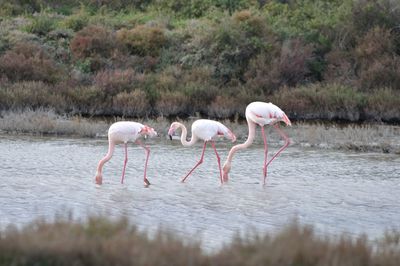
{"points": [[206, 130], [260, 113], [122, 132]]}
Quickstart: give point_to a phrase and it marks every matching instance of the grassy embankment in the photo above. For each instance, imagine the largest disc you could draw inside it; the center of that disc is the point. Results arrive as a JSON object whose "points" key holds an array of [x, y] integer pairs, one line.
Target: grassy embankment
{"points": [[177, 58], [101, 241]]}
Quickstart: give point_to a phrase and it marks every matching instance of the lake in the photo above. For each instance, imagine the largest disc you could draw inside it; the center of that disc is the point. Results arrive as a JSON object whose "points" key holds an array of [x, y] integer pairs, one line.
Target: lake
{"points": [[336, 191]]}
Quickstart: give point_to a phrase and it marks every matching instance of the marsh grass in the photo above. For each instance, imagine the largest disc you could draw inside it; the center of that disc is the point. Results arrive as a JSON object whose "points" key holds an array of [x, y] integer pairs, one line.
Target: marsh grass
{"points": [[43, 122], [363, 138], [101, 241]]}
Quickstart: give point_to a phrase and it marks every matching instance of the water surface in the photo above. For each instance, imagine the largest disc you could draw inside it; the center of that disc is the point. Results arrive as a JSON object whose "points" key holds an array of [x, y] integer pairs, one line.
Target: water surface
{"points": [[333, 190]]}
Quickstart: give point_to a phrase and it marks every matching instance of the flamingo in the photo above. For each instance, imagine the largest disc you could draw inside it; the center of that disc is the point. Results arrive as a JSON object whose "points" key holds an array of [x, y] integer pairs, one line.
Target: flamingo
{"points": [[205, 130], [260, 113], [122, 132]]}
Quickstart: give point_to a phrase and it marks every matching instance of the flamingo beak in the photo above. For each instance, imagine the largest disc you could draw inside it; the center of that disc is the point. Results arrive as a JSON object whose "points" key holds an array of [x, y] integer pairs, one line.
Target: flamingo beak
{"points": [[171, 132]]}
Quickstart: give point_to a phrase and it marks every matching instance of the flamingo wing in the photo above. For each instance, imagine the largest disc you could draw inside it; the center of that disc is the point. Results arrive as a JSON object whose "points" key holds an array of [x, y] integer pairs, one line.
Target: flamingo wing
{"points": [[125, 131]]}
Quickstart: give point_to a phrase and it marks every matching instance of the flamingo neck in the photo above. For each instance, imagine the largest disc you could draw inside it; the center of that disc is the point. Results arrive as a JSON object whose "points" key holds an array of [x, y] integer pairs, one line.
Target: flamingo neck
{"points": [[247, 143], [106, 158], [184, 135]]}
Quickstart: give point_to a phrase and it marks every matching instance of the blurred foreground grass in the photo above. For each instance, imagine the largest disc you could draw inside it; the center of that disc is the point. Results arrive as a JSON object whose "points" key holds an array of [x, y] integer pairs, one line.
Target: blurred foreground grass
{"points": [[102, 241]]}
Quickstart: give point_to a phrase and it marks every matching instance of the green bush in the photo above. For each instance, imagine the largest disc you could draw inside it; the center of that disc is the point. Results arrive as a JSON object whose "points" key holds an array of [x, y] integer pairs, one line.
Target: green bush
{"points": [[143, 40], [328, 102], [77, 21], [186, 8], [234, 42], [41, 24], [18, 7]]}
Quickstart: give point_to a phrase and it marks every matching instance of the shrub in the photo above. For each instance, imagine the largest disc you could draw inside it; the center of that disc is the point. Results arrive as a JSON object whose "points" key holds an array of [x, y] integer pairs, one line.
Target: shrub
{"points": [[234, 42], [143, 40], [368, 14], [118, 4], [330, 102], [29, 62], [93, 41], [41, 24], [133, 103], [308, 19], [114, 81], [383, 105], [379, 65], [18, 7], [262, 75], [29, 94], [225, 107], [86, 100], [186, 8], [77, 21], [294, 62], [340, 67], [200, 96], [172, 103]]}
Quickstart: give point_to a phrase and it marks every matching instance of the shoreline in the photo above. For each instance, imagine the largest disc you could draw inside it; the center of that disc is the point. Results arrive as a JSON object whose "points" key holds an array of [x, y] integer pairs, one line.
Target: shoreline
{"points": [[365, 137]]}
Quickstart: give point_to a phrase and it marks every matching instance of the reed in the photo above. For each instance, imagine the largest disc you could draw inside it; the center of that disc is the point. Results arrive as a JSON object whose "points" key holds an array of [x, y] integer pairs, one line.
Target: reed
{"points": [[47, 122], [363, 138]]}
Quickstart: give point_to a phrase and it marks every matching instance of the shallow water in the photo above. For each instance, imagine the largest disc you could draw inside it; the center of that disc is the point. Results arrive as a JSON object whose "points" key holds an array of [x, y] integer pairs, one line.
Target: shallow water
{"points": [[334, 191]]}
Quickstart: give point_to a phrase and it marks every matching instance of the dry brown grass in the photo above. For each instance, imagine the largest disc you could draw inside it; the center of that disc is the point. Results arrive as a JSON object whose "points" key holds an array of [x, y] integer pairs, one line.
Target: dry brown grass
{"points": [[367, 137], [48, 122], [102, 241], [363, 138]]}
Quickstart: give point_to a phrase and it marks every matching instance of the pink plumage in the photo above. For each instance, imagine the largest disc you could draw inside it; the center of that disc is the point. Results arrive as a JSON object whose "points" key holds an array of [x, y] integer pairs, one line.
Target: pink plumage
{"points": [[260, 113], [206, 130], [123, 132]]}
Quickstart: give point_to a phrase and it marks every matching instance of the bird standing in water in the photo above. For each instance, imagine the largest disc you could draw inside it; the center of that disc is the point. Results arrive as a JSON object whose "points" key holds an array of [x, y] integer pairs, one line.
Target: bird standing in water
{"points": [[260, 113], [205, 130], [122, 132]]}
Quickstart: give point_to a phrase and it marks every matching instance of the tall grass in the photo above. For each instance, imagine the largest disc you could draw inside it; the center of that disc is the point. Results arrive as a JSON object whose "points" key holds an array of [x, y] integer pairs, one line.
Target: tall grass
{"points": [[101, 241], [43, 121]]}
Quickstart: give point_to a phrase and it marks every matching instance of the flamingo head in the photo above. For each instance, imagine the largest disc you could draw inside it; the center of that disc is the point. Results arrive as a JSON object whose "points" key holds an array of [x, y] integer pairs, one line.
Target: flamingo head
{"points": [[225, 171], [174, 126], [148, 131], [99, 179], [285, 119]]}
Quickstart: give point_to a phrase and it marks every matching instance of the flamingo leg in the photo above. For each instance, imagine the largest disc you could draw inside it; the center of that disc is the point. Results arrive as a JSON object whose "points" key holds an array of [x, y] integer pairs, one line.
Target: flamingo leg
{"points": [[125, 162], [287, 142], [265, 153], [198, 163], [147, 150], [218, 160]]}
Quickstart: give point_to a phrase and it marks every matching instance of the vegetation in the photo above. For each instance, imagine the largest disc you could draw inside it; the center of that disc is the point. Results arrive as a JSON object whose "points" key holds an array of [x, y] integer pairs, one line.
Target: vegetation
{"points": [[101, 241], [317, 59], [367, 137]]}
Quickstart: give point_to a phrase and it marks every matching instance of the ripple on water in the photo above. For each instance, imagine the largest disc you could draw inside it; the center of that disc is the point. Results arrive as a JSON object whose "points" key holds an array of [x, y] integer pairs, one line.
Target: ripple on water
{"points": [[335, 191]]}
